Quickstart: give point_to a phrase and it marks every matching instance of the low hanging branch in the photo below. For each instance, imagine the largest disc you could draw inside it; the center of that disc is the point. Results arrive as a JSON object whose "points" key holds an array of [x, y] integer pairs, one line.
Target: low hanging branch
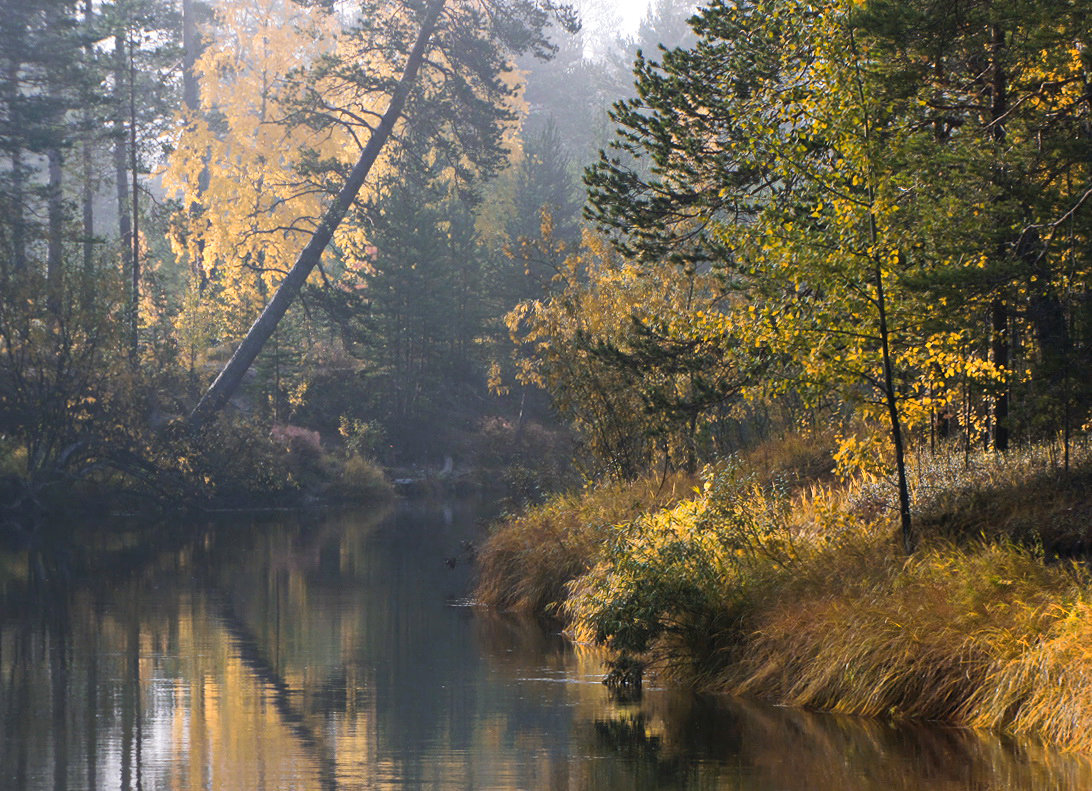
{"points": [[232, 374]]}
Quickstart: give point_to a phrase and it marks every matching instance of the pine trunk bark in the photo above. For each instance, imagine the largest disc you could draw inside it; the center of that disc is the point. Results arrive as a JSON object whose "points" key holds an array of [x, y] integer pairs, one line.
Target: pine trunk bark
{"points": [[55, 238], [18, 185], [999, 319], [87, 197]]}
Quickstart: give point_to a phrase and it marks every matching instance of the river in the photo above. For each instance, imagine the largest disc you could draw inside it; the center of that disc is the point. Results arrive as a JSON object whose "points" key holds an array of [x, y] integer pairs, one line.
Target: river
{"points": [[339, 651]]}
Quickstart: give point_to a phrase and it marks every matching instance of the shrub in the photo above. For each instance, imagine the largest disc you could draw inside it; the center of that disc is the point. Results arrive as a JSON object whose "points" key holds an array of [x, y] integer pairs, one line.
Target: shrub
{"points": [[231, 458], [528, 560], [13, 459], [361, 480], [361, 437], [675, 585], [297, 440]]}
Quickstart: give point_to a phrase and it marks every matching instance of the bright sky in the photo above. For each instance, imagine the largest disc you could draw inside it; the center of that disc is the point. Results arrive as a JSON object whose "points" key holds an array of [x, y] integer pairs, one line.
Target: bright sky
{"points": [[605, 20], [631, 12]]}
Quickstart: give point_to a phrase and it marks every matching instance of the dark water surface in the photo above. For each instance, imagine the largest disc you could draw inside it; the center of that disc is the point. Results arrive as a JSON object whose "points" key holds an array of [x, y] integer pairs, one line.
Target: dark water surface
{"points": [[338, 652]]}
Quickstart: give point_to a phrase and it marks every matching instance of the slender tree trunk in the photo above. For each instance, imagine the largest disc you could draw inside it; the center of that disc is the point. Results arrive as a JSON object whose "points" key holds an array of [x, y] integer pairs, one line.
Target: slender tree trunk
{"points": [[55, 185], [121, 175], [906, 524], [905, 519], [134, 308], [232, 374], [87, 198], [191, 45], [18, 186], [55, 238], [999, 353], [999, 319], [18, 215]]}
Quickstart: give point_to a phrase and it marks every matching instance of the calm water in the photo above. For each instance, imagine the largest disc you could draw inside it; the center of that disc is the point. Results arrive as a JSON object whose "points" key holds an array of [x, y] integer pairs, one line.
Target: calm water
{"points": [[340, 653]]}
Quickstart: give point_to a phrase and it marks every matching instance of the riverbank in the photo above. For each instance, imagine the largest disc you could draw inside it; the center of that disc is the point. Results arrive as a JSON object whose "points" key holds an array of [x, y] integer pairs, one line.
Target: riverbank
{"points": [[243, 464], [794, 589]]}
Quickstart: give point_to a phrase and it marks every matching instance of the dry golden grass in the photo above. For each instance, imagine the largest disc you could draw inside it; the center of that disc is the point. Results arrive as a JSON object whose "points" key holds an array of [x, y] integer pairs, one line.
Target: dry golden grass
{"points": [[975, 629], [987, 625], [530, 558], [794, 458]]}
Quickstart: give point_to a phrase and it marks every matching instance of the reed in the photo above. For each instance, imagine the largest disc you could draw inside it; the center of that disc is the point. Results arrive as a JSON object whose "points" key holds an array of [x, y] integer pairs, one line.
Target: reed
{"points": [[915, 639]]}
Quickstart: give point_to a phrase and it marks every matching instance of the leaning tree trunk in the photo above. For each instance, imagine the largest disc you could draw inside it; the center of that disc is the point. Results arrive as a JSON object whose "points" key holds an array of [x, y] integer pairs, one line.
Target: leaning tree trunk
{"points": [[232, 374]]}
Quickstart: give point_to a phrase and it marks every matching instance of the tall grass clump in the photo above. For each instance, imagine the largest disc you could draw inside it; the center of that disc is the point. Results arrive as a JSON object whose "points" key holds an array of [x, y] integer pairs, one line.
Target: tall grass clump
{"points": [[913, 639], [529, 558], [802, 596]]}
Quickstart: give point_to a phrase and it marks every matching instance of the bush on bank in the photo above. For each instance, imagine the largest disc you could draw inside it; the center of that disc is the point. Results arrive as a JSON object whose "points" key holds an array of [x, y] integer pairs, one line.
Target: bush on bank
{"points": [[526, 565], [801, 595]]}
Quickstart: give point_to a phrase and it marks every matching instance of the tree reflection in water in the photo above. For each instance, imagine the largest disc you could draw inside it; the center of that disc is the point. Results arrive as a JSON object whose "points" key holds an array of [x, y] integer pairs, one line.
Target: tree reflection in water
{"points": [[333, 652]]}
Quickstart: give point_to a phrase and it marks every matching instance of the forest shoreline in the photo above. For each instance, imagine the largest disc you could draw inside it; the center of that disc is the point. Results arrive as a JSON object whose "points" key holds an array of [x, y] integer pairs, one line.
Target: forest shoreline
{"points": [[770, 578], [240, 465]]}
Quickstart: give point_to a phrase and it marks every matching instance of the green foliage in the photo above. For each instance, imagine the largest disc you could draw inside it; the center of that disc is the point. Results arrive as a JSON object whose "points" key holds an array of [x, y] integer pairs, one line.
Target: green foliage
{"points": [[66, 398], [681, 580], [424, 313], [361, 480], [362, 438], [884, 197], [639, 360]]}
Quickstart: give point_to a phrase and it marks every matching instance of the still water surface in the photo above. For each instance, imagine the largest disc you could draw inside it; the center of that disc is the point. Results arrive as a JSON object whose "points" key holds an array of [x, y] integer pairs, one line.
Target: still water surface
{"points": [[339, 652]]}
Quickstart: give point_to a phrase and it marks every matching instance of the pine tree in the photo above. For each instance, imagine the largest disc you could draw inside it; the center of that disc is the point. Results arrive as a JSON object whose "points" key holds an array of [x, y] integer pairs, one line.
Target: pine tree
{"points": [[442, 70]]}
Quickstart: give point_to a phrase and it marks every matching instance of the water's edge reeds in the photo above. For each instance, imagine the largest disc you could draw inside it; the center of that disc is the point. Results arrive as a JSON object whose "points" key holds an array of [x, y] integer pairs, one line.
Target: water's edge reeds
{"points": [[795, 590]]}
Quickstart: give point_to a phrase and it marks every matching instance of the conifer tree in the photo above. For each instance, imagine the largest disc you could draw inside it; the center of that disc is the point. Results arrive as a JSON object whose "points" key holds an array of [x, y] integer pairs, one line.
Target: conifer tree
{"points": [[436, 64]]}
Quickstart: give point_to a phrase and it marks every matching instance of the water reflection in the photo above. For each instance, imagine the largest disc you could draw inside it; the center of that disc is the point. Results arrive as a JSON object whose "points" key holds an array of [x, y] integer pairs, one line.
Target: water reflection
{"points": [[338, 653]]}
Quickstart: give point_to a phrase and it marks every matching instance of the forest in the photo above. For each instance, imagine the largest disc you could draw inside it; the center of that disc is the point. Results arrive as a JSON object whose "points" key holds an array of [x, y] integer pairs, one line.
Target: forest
{"points": [[776, 317], [362, 231], [164, 165]]}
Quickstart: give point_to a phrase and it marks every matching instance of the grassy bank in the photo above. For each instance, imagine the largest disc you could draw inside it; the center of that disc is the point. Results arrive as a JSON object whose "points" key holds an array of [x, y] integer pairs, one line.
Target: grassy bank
{"points": [[527, 565], [799, 594]]}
